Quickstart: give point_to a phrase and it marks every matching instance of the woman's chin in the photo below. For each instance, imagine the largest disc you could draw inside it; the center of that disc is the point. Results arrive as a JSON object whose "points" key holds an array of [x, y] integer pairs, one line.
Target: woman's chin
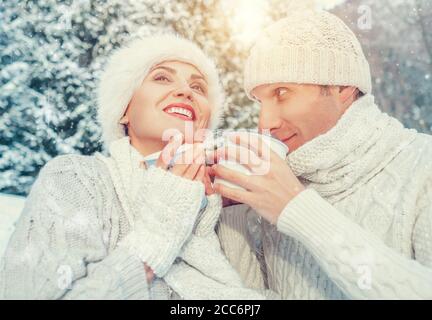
{"points": [[184, 126]]}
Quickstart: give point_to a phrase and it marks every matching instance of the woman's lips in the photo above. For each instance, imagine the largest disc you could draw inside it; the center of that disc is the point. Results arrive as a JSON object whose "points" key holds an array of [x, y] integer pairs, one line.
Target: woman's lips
{"points": [[181, 111], [180, 116]]}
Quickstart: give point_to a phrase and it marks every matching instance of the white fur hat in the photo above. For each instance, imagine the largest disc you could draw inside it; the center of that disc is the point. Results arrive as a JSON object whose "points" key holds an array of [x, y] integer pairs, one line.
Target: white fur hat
{"points": [[129, 65], [307, 47]]}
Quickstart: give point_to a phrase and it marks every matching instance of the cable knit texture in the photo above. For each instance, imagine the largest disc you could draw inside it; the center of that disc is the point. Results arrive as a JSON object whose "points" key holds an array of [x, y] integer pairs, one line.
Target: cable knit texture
{"points": [[307, 46], [362, 229], [90, 223]]}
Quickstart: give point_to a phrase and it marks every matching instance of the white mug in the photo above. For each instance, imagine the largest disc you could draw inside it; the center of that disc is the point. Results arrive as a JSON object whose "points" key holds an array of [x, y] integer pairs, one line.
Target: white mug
{"points": [[274, 144]]}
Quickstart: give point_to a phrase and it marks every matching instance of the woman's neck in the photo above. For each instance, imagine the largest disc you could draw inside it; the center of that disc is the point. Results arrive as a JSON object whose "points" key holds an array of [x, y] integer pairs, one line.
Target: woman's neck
{"points": [[148, 146]]}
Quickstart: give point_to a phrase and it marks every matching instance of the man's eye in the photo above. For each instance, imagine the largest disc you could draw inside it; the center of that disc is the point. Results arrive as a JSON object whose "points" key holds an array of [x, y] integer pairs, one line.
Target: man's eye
{"points": [[281, 91]]}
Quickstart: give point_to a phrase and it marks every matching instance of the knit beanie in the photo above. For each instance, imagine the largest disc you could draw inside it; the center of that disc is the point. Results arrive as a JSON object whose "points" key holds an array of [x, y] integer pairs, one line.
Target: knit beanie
{"points": [[307, 47], [129, 65]]}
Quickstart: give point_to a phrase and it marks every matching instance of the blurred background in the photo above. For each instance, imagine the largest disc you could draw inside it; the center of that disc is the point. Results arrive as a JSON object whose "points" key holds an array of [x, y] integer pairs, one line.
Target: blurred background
{"points": [[52, 52]]}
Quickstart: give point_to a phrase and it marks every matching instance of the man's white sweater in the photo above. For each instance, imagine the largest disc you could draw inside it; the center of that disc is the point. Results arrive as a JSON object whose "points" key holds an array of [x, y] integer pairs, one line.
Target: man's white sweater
{"points": [[362, 229]]}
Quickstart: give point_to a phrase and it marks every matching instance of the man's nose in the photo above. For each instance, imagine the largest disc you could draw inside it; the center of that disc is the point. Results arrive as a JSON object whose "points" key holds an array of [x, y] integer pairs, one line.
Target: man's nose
{"points": [[185, 92], [269, 118]]}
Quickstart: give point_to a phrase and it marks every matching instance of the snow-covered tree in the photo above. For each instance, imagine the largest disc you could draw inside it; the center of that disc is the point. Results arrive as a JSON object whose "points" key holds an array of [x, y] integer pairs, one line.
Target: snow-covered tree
{"points": [[51, 54], [398, 44]]}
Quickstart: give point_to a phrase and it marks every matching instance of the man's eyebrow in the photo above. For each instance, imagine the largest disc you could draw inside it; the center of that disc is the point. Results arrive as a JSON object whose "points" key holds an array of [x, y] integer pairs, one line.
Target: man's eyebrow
{"points": [[171, 70]]}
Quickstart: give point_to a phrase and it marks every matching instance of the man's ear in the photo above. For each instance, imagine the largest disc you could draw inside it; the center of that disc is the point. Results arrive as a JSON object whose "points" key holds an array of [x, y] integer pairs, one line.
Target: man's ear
{"points": [[347, 95]]}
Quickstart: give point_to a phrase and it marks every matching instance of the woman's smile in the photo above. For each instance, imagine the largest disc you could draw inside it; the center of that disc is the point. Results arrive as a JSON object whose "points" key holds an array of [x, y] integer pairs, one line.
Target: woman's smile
{"points": [[181, 110]]}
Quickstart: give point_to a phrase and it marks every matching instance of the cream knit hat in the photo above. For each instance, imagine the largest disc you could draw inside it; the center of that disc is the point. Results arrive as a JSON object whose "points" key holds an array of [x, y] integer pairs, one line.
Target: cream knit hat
{"points": [[308, 47], [129, 65]]}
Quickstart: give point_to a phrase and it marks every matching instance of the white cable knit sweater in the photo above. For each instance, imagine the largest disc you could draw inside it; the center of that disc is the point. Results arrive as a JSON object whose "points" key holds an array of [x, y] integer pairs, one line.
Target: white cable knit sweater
{"points": [[90, 223], [362, 229]]}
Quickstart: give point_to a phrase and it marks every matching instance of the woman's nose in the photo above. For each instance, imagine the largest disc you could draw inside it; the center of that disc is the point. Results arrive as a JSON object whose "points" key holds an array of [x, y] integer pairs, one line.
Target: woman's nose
{"points": [[185, 92]]}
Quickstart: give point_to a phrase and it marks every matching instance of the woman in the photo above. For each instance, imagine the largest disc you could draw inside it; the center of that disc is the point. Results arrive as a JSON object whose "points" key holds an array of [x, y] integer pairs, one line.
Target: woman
{"points": [[97, 227]]}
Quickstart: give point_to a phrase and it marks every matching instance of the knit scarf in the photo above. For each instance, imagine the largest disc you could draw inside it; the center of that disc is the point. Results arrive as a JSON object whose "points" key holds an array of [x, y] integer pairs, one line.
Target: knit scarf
{"points": [[194, 274], [360, 145], [126, 173]]}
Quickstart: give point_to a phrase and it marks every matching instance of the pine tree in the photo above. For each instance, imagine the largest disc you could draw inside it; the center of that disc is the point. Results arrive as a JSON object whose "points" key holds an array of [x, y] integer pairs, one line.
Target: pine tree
{"points": [[51, 54], [398, 46]]}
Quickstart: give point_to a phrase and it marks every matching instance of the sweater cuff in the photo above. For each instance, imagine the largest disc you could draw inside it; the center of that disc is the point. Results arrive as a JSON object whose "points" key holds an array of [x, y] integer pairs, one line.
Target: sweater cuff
{"points": [[166, 188], [131, 272], [311, 219], [157, 249], [208, 219]]}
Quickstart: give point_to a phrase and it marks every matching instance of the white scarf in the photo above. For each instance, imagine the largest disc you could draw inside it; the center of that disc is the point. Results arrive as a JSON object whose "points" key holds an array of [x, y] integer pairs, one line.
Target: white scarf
{"points": [[361, 144], [202, 272]]}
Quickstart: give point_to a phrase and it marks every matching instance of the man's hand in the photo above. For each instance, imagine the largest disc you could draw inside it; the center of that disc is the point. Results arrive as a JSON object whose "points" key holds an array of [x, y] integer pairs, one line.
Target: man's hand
{"points": [[267, 191]]}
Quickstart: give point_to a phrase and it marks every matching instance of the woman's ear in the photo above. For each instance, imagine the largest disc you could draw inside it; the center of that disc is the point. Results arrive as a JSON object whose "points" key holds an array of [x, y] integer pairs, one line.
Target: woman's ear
{"points": [[124, 119]]}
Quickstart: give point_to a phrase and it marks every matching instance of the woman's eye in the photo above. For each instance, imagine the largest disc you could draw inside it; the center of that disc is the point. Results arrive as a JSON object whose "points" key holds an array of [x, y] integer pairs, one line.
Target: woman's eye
{"points": [[198, 88], [255, 98], [161, 77]]}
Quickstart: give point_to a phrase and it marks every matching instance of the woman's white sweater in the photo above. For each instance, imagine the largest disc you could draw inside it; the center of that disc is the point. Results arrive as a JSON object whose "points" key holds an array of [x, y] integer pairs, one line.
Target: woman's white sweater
{"points": [[91, 222], [362, 229]]}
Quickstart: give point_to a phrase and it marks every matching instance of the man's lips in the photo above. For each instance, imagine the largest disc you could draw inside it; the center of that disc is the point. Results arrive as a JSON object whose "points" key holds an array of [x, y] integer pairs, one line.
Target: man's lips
{"points": [[287, 139], [180, 110]]}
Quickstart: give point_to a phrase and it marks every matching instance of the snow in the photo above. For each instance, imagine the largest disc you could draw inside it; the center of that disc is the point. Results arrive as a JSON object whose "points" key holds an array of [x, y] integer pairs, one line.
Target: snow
{"points": [[10, 209]]}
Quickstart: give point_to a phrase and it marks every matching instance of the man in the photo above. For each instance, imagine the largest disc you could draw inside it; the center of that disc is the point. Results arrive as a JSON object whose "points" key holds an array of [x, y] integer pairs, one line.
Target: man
{"points": [[349, 214]]}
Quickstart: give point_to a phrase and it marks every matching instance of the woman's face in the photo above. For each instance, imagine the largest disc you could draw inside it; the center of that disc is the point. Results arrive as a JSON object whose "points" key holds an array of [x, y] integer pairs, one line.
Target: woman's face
{"points": [[173, 96]]}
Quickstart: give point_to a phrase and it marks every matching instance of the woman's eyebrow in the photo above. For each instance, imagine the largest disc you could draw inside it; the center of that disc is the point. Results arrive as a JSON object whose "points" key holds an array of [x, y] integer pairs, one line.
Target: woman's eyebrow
{"points": [[170, 70], [173, 71]]}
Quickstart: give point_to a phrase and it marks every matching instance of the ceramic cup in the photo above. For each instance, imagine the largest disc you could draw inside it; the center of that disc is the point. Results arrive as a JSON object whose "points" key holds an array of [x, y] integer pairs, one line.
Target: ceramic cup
{"points": [[274, 144]]}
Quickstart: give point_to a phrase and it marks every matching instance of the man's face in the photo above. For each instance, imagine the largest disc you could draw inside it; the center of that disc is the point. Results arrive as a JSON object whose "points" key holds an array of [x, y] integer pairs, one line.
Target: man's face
{"points": [[297, 113]]}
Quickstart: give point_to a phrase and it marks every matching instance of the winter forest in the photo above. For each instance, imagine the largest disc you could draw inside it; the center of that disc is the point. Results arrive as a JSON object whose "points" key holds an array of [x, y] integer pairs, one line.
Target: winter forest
{"points": [[52, 52]]}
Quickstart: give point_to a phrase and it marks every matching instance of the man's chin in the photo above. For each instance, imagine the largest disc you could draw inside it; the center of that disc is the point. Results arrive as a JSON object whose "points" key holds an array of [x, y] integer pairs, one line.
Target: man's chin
{"points": [[293, 144]]}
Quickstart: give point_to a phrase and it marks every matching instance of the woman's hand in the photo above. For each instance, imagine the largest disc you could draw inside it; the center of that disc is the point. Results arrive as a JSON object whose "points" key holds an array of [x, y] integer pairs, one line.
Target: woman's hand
{"points": [[189, 164], [226, 202], [208, 182]]}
